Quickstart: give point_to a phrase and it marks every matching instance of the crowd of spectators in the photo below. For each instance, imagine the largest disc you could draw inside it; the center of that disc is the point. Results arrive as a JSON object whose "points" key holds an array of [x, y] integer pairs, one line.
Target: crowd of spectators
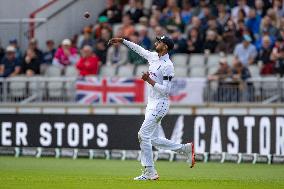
{"points": [[252, 30]]}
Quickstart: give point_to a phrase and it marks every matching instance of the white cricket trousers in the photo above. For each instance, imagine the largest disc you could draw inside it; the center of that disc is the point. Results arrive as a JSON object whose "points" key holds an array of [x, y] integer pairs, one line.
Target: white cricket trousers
{"points": [[148, 134]]}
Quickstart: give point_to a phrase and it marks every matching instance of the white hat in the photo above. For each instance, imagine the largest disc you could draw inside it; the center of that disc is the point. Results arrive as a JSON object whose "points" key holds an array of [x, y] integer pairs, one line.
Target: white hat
{"points": [[66, 42], [10, 49]]}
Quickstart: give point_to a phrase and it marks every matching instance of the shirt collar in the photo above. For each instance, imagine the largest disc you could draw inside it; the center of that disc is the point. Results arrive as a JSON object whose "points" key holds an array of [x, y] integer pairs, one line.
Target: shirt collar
{"points": [[165, 57]]}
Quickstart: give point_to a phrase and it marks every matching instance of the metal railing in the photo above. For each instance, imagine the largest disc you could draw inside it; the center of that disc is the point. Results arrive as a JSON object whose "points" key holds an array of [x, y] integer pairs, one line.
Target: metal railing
{"points": [[37, 89], [263, 90], [63, 90]]}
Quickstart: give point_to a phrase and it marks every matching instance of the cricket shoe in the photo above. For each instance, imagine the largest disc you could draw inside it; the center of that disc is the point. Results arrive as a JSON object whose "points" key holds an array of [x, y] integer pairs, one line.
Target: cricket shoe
{"points": [[146, 175], [189, 152]]}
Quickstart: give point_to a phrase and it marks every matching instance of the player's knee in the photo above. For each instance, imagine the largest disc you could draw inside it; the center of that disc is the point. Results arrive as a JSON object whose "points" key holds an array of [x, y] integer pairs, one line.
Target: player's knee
{"points": [[142, 137]]}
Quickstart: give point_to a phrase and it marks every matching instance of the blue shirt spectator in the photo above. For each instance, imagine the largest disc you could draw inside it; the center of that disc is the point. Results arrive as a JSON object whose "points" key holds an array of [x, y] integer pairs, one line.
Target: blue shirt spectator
{"points": [[49, 54], [245, 52], [10, 65], [253, 23]]}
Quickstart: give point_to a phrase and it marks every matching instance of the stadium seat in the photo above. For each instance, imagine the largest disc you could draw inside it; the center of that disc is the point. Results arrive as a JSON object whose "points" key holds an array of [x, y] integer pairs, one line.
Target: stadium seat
{"points": [[140, 69], [53, 71], [254, 70], [197, 72], [213, 60], [55, 89], [71, 71], [196, 60], [125, 70], [230, 58], [36, 86], [181, 71], [106, 70], [17, 86], [180, 59]]}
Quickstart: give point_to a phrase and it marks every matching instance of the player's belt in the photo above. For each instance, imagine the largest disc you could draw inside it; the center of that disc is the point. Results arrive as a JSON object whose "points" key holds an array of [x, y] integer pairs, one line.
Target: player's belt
{"points": [[167, 78]]}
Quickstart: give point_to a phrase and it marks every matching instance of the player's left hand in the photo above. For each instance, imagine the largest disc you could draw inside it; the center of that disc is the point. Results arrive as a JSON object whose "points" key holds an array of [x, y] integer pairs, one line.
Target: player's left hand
{"points": [[145, 76]]}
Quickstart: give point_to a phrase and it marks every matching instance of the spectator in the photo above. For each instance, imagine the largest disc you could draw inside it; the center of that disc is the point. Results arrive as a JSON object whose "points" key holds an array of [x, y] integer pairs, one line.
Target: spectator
{"points": [[279, 66], [242, 5], [204, 17], [253, 23], [49, 54], [196, 23], [240, 72], [240, 29], [86, 38], [89, 63], [223, 16], [171, 14], [228, 41], [223, 73], [117, 55], [103, 24], [242, 90], [264, 55], [101, 50], [127, 27], [186, 12], [134, 9], [210, 41], [259, 7], [213, 25], [31, 63], [194, 42], [33, 46], [266, 26], [274, 18], [19, 54], [133, 57], [278, 7], [245, 52], [144, 39], [10, 65], [180, 43], [105, 34], [65, 55], [112, 11], [153, 24]]}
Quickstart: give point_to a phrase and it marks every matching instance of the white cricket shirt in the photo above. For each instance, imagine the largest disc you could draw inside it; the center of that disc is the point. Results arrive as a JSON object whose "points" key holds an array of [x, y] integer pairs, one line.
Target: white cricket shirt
{"points": [[161, 70]]}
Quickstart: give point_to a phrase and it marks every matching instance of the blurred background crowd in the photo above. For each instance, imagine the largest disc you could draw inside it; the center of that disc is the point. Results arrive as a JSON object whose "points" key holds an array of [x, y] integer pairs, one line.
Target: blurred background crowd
{"points": [[251, 30]]}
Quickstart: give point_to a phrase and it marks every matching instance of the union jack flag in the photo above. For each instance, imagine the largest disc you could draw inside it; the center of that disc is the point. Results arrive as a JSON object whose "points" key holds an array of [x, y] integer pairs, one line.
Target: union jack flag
{"points": [[93, 90]]}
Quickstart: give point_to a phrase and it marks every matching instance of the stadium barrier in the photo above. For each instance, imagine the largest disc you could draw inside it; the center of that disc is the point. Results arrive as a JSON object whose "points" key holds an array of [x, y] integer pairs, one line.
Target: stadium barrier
{"points": [[114, 90], [221, 138]]}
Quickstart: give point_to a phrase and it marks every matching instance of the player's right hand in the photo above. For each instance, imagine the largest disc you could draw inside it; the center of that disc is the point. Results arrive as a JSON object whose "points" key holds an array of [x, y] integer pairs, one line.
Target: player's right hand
{"points": [[115, 40]]}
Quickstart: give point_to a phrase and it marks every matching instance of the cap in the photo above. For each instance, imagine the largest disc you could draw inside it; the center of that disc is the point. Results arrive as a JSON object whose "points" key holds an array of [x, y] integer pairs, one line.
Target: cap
{"points": [[246, 37], [66, 42], [103, 19], [168, 41], [13, 41], [10, 49]]}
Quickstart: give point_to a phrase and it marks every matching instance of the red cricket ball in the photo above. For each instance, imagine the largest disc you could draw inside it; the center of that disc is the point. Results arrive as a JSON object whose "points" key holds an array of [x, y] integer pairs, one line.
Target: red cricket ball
{"points": [[87, 15]]}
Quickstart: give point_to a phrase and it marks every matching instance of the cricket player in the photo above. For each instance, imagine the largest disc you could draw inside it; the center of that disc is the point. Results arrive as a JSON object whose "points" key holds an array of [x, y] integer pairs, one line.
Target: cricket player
{"points": [[159, 79]]}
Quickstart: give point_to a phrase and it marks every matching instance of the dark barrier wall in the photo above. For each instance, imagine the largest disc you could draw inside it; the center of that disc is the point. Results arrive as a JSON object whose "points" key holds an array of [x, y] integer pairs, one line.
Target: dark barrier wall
{"points": [[233, 134]]}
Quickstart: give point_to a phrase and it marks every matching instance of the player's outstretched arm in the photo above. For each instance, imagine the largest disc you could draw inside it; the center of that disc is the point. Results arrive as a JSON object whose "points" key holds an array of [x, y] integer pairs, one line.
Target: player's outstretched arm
{"points": [[138, 49]]}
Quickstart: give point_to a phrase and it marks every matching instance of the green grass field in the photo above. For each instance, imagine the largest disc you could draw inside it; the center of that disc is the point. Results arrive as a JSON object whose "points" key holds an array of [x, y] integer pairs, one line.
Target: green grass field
{"points": [[103, 174]]}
